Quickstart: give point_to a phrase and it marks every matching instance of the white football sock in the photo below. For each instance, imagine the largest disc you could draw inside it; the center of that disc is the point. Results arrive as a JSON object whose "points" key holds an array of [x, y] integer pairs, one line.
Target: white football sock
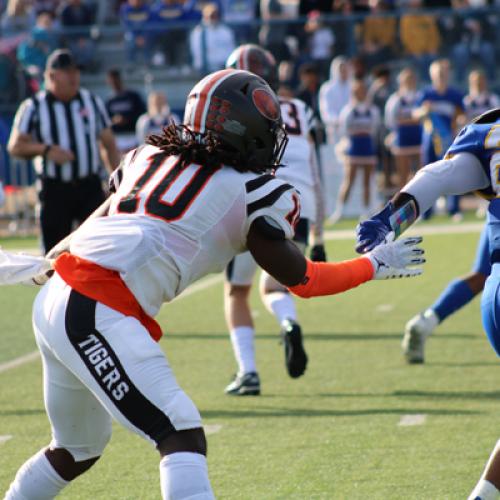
{"points": [[36, 480], [242, 338], [280, 304], [184, 476], [484, 490], [431, 317]]}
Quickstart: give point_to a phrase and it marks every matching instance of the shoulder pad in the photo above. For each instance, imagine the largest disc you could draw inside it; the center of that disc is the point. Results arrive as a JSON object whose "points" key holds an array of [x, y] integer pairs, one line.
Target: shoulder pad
{"points": [[490, 116]]}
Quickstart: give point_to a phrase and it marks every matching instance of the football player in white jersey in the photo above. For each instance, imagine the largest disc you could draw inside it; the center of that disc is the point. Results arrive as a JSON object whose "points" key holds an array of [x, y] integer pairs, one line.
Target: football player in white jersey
{"points": [[301, 171], [182, 207]]}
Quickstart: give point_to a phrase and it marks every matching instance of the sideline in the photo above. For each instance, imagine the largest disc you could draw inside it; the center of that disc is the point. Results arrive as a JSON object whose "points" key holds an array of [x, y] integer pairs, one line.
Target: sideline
{"points": [[343, 234]]}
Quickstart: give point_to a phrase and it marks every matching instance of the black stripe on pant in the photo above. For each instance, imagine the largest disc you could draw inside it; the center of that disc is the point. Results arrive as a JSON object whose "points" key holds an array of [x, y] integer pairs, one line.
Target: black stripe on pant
{"points": [[108, 372]]}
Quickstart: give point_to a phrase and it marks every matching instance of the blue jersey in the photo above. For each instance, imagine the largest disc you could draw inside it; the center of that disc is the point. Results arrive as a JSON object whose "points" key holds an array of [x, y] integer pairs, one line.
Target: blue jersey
{"points": [[482, 139], [438, 126]]}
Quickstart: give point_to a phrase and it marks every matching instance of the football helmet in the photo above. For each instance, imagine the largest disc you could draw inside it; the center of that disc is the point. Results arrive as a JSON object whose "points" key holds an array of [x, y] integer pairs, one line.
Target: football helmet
{"points": [[242, 113], [253, 58]]}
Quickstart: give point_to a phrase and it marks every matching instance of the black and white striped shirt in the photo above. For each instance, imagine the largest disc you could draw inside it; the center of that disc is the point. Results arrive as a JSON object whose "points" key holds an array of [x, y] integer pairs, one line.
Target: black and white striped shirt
{"points": [[74, 125]]}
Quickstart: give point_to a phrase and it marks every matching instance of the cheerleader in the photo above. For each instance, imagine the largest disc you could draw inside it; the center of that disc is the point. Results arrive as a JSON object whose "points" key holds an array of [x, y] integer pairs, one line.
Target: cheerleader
{"points": [[479, 99], [359, 123], [157, 117], [405, 139]]}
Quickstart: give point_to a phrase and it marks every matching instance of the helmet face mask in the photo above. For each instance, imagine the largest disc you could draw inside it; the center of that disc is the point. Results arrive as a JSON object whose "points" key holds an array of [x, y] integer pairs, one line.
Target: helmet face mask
{"points": [[242, 113]]}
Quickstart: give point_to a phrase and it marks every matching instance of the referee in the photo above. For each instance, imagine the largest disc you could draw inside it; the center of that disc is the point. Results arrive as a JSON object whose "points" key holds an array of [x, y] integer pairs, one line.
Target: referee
{"points": [[66, 130]]}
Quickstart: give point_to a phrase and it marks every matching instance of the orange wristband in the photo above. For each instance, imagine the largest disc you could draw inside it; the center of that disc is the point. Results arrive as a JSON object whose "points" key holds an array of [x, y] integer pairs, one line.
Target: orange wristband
{"points": [[329, 278]]}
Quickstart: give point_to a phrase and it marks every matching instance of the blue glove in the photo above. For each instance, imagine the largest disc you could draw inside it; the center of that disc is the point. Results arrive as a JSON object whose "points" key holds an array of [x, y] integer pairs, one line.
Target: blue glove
{"points": [[374, 231]]}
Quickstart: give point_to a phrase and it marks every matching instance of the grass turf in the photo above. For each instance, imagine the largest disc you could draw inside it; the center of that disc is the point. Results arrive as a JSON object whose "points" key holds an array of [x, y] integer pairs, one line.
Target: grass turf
{"points": [[333, 433]]}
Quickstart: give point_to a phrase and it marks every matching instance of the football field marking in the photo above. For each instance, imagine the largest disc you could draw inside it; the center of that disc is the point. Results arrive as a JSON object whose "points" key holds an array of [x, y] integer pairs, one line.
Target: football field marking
{"points": [[21, 360], [462, 228], [197, 287], [409, 420], [344, 234], [384, 308], [4, 439], [212, 429]]}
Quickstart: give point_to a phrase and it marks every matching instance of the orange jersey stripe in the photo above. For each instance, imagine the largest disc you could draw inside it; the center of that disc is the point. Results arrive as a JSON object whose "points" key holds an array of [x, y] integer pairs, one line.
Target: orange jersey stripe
{"points": [[105, 286]]}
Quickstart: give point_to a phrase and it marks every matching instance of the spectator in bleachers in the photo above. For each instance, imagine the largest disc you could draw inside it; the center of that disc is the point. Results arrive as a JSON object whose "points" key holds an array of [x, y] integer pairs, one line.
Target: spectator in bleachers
{"points": [[419, 34], [440, 107], [474, 37], [359, 124], [320, 41], [479, 99], [211, 41], [156, 118], [135, 18], [124, 108], [33, 52], [405, 138], [77, 17], [378, 34], [19, 17], [272, 34], [333, 96], [309, 83], [241, 13], [168, 35]]}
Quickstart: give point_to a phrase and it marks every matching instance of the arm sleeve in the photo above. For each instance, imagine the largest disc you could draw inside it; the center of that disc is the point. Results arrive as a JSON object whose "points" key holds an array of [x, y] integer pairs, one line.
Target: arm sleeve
{"points": [[460, 174]]}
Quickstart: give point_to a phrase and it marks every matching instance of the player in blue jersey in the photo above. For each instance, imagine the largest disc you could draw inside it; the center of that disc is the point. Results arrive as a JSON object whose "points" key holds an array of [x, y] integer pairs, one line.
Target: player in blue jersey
{"points": [[461, 291], [440, 106], [472, 163]]}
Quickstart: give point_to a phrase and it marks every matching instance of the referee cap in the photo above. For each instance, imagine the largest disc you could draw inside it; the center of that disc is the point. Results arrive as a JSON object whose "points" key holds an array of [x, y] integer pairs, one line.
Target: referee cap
{"points": [[61, 59]]}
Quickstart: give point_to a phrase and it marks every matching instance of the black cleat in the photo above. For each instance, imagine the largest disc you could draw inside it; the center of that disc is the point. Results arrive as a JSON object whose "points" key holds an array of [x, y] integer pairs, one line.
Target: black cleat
{"points": [[295, 355], [244, 385]]}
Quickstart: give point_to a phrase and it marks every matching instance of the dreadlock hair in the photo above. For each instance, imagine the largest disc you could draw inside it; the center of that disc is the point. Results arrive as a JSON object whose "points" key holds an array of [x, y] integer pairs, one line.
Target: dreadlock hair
{"points": [[200, 148]]}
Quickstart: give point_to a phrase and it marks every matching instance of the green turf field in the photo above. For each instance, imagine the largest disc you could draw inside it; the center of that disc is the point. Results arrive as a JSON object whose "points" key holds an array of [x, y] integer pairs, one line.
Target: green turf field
{"points": [[332, 434]]}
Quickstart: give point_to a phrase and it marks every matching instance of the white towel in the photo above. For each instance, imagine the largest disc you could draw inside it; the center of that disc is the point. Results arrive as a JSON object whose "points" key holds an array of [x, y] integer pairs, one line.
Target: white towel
{"points": [[16, 268]]}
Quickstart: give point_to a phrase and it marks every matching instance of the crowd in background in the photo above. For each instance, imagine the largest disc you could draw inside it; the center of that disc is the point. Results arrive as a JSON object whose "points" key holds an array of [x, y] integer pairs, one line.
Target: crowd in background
{"points": [[371, 101], [200, 34]]}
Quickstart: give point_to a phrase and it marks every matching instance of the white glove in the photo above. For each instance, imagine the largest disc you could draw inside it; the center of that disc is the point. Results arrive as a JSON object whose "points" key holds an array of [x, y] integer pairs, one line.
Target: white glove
{"points": [[18, 268], [391, 260]]}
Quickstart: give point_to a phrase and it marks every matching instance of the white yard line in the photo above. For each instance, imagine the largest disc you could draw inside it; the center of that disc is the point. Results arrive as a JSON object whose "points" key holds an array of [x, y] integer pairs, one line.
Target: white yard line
{"points": [[384, 308], [465, 227], [21, 360], [197, 287], [212, 428], [4, 439], [344, 234], [409, 420]]}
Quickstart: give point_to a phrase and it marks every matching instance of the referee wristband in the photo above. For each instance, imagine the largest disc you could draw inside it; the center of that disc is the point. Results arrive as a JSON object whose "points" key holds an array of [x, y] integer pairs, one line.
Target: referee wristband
{"points": [[46, 150]]}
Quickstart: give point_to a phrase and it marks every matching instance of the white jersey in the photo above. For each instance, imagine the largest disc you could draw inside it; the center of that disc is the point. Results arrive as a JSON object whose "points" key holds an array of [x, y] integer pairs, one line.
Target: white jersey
{"points": [[168, 226], [300, 167]]}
